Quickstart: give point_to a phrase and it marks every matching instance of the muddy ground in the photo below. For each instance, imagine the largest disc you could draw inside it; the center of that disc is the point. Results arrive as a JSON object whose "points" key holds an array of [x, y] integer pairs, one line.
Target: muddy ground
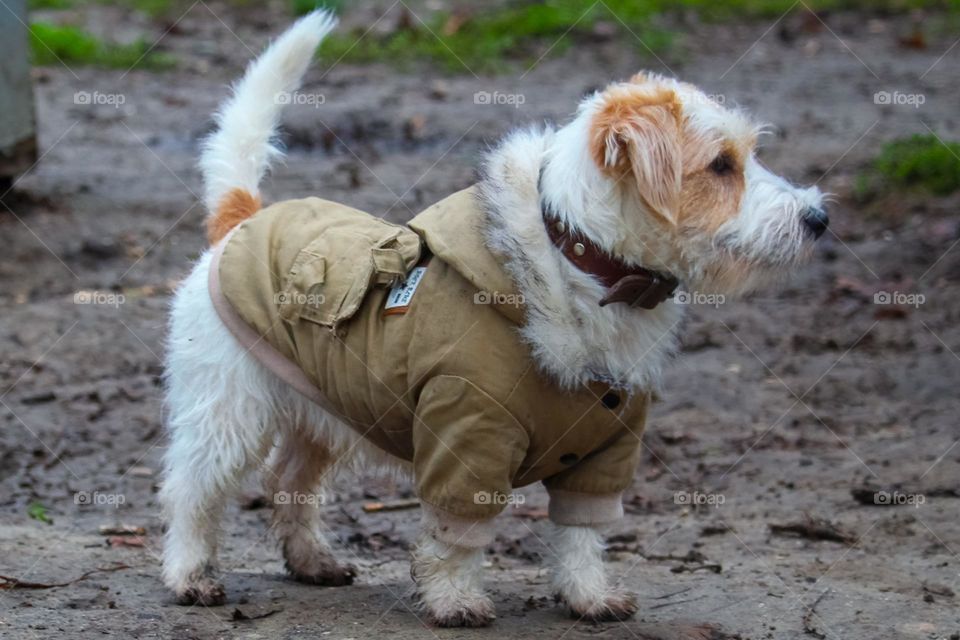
{"points": [[778, 408]]}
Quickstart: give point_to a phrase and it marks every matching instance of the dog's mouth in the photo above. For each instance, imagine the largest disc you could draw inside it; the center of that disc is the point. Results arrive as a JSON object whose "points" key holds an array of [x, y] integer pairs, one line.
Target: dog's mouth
{"points": [[737, 269]]}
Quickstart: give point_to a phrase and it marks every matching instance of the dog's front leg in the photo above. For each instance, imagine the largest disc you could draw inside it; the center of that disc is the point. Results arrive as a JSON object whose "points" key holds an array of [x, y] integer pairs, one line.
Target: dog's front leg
{"points": [[579, 578], [450, 582]]}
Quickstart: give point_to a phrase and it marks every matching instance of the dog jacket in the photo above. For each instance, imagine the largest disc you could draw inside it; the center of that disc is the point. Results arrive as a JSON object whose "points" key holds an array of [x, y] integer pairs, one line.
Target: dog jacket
{"points": [[409, 334]]}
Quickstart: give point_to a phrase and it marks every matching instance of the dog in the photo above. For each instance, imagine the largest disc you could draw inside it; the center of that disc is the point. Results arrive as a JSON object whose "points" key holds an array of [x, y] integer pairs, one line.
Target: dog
{"points": [[585, 230]]}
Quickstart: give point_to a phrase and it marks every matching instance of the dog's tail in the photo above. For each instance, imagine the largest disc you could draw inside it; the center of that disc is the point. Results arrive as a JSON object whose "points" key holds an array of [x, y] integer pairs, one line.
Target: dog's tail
{"points": [[237, 155]]}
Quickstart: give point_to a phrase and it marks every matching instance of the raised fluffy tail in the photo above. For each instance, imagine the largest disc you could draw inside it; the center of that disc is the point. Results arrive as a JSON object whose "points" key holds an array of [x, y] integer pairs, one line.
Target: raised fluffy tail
{"points": [[237, 155]]}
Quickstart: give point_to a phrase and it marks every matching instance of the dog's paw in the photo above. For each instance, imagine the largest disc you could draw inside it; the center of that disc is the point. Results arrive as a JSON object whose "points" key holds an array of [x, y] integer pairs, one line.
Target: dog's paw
{"points": [[310, 563], [479, 612], [204, 590], [328, 574], [619, 605]]}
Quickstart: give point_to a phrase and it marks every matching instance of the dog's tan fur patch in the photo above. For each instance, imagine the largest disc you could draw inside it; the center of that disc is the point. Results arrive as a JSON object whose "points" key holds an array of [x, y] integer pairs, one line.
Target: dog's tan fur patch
{"points": [[235, 207], [709, 198], [638, 129]]}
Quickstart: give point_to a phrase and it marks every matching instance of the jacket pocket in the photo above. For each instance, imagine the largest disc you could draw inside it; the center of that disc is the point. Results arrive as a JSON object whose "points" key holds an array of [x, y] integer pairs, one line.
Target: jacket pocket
{"points": [[331, 276]]}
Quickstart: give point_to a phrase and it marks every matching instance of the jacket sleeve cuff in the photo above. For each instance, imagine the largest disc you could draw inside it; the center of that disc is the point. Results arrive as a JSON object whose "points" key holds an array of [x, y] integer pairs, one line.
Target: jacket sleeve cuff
{"points": [[456, 530], [571, 508]]}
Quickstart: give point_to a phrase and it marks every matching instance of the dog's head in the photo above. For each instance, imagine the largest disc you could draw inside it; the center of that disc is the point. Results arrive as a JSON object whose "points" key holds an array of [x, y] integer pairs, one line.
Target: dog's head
{"points": [[670, 181]]}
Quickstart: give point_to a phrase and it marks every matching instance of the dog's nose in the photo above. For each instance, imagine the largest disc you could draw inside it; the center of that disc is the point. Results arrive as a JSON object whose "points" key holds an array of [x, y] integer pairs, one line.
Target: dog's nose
{"points": [[816, 221]]}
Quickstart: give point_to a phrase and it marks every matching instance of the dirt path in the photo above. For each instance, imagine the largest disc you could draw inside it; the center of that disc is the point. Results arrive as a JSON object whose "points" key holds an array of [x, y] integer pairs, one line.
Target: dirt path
{"points": [[779, 407]]}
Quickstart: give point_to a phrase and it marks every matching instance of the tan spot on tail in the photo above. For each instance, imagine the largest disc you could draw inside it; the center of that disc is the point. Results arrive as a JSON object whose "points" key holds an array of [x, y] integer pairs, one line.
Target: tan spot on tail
{"points": [[234, 208]]}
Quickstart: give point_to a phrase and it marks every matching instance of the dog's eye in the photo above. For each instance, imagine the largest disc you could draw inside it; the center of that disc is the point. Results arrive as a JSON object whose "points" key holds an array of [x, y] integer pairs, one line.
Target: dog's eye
{"points": [[722, 164]]}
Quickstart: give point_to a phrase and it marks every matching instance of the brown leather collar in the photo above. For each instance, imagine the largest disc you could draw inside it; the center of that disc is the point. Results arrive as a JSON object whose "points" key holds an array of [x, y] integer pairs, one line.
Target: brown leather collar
{"points": [[636, 286]]}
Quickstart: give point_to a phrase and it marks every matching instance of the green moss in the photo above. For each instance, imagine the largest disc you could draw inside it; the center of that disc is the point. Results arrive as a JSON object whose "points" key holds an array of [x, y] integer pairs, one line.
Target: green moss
{"points": [[303, 7], [39, 512], [39, 5], [521, 32], [51, 44], [920, 162], [492, 40]]}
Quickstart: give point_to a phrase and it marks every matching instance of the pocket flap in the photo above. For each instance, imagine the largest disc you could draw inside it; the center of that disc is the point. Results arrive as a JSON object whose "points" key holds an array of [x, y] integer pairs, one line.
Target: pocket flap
{"points": [[331, 276], [390, 265]]}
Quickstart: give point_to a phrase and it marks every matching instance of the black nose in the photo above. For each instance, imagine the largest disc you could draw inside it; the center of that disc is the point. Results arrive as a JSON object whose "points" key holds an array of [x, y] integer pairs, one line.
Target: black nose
{"points": [[816, 221]]}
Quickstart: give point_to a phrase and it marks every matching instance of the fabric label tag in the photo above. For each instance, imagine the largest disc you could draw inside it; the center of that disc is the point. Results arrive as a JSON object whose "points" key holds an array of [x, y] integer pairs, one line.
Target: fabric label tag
{"points": [[400, 296]]}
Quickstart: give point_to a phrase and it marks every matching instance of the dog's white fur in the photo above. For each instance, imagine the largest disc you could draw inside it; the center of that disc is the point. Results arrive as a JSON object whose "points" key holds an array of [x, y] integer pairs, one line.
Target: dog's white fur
{"points": [[226, 411], [567, 336], [239, 152]]}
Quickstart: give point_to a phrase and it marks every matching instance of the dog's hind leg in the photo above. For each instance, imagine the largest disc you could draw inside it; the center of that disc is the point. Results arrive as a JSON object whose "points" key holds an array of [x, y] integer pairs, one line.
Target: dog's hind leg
{"points": [[296, 482], [221, 405]]}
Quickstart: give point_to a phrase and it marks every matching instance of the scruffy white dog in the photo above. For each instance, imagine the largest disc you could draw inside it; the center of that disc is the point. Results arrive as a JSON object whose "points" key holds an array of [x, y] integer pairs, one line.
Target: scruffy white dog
{"points": [[651, 182]]}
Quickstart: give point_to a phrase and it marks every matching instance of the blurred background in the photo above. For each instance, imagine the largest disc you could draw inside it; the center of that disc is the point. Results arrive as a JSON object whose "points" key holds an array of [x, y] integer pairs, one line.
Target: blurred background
{"points": [[801, 473]]}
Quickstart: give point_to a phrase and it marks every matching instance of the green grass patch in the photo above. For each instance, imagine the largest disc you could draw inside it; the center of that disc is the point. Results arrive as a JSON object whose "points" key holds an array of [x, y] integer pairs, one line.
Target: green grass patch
{"points": [[920, 162], [491, 40], [51, 44], [731, 9], [303, 7], [152, 8], [39, 5], [521, 32]]}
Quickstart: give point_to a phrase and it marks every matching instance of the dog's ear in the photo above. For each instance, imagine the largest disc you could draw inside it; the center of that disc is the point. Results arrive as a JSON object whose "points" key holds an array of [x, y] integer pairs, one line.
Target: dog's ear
{"points": [[636, 133]]}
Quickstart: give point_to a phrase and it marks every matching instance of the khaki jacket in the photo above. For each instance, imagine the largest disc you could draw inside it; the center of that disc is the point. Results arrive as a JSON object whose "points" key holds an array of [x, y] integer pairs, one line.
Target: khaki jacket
{"points": [[410, 335]]}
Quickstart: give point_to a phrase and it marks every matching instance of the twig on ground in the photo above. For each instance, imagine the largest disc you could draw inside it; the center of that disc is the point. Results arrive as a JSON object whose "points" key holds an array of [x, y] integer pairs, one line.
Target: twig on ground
{"points": [[814, 529], [808, 627], [6, 582], [396, 505]]}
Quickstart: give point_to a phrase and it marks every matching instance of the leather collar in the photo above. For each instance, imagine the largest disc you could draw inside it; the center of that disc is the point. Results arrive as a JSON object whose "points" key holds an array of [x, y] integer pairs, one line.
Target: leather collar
{"points": [[635, 286]]}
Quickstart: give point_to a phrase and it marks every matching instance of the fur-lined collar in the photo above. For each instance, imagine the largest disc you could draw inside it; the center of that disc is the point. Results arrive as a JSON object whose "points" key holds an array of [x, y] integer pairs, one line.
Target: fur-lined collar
{"points": [[572, 338]]}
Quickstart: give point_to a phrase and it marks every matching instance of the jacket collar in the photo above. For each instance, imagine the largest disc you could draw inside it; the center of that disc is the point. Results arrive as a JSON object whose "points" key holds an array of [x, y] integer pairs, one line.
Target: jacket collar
{"points": [[453, 231]]}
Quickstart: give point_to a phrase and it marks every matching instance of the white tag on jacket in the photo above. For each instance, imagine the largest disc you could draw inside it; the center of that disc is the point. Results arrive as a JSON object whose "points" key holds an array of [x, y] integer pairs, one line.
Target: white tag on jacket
{"points": [[400, 296]]}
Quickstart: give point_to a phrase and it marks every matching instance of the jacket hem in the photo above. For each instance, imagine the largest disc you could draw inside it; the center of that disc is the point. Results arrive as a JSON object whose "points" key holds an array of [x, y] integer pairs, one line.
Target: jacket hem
{"points": [[456, 530], [572, 508], [256, 345]]}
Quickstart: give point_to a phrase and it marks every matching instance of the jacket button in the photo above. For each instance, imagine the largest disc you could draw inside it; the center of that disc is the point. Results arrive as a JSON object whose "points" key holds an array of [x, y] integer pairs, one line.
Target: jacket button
{"points": [[611, 400], [569, 459]]}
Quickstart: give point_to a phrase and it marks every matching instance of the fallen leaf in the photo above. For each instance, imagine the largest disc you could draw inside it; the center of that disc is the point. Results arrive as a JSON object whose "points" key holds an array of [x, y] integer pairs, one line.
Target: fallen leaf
{"points": [[126, 541]]}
